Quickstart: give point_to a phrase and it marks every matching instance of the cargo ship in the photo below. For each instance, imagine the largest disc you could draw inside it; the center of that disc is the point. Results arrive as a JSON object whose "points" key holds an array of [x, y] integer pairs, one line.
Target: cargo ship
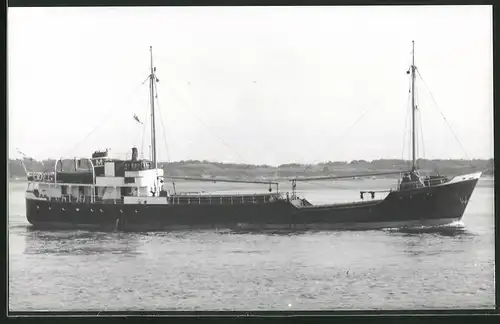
{"points": [[131, 195]]}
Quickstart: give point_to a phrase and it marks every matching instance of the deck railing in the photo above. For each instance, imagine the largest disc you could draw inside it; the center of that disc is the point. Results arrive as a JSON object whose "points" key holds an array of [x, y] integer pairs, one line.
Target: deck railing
{"points": [[201, 199], [204, 199], [423, 183], [83, 199]]}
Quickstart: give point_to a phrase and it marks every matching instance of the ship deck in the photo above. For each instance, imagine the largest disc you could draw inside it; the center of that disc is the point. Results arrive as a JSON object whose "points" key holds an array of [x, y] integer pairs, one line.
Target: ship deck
{"points": [[177, 199], [344, 204]]}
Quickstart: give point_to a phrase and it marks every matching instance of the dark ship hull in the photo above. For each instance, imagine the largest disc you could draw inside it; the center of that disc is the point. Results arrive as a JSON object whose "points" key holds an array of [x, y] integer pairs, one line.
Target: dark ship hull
{"points": [[427, 206]]}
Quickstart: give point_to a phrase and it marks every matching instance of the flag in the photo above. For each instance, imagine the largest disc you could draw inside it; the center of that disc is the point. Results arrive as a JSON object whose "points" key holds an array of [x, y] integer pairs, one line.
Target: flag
{"points": [[137, 119]]}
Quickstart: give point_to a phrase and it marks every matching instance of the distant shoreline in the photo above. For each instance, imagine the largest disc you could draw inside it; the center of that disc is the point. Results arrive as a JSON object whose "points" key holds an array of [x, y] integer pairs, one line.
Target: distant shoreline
{"points": [[207, 169], [486, 177]]}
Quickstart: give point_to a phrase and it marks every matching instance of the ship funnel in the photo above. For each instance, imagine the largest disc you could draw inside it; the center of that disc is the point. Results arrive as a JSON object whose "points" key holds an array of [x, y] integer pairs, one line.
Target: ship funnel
{"points": [[134, 154]]}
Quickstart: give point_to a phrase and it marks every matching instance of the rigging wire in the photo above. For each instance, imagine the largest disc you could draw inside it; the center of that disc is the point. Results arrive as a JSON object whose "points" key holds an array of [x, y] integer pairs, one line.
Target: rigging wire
{"points": [[447, 123], [90, 133], [344, 133], [417, 130], [111, 110], [357, 121], [161, 122], [422, 143], [421, 126], [410, 150], [408, 109], [146, 119], [325, 185], [206, 126], [146, 114]]}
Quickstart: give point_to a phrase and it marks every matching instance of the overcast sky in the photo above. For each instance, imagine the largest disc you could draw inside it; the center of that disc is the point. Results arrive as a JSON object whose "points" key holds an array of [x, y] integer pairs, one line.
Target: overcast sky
{"points": [[265, 85]]}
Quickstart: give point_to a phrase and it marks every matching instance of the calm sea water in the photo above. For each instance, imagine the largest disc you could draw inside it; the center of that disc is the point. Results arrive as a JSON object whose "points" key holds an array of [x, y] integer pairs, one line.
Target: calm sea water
{"points": [[450, 267]]}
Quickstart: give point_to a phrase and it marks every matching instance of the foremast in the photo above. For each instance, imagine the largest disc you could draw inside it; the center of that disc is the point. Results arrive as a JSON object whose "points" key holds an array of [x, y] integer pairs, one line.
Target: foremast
{"points": [[152, 82], [413, 109]]}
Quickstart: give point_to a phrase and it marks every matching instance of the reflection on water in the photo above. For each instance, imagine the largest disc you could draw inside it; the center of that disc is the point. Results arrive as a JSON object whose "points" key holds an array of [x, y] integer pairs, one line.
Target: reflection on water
{"points": [[60, 242], [442, 241], [79, 242], [271, 232], [452, 230]]}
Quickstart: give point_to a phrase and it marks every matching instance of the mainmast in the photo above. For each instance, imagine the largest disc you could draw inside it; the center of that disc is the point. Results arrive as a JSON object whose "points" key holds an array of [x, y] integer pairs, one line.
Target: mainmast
{"points": [[152, 80], [413, 108]]}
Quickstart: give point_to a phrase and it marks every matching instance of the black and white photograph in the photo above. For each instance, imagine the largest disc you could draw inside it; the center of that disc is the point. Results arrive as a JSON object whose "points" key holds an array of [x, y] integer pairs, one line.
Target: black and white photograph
{"points": [[250, 158]]}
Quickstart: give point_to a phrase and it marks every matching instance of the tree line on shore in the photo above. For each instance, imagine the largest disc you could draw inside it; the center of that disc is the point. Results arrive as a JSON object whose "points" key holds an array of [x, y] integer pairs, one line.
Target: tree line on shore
{"points": [[204, 168]]}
